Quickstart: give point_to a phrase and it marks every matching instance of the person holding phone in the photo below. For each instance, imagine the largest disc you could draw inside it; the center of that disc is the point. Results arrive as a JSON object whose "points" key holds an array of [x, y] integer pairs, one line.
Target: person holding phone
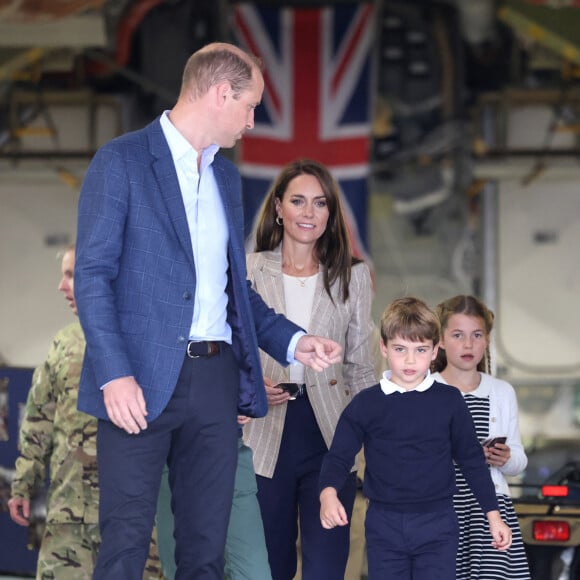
{"points": [[464, 362], [491, 441], [303, 267], [414, 429]]}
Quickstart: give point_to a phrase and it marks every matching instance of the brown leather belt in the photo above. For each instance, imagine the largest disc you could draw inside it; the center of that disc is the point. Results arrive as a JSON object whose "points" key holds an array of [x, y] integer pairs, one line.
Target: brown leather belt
{"points": [[207, 348]]}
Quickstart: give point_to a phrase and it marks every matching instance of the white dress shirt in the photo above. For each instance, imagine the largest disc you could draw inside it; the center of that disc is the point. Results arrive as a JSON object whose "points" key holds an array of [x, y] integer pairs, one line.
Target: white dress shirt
{"points": [[208, 231]]}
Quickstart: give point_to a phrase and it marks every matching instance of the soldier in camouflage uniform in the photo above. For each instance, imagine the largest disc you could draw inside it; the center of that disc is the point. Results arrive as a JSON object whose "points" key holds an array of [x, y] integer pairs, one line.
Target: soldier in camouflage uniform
{"points": [[55, 433]]}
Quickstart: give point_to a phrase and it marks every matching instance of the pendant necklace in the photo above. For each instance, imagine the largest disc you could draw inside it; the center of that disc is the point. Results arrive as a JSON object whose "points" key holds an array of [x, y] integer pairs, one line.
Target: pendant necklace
{"points": [[301, 281]]}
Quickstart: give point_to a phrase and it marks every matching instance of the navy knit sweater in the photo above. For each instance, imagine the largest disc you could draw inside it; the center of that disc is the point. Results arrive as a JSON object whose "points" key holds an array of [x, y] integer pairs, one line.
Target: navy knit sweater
{"points": [[410, 441]]}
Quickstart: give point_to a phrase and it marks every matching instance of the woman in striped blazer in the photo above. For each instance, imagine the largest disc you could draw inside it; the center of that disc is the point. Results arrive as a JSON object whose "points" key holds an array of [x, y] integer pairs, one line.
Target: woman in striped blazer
{"points": [[303, 267]]}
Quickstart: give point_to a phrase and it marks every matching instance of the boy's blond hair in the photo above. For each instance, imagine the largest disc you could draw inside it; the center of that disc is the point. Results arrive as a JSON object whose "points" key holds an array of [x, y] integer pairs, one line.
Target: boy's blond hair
{"points": [[411, 319]]}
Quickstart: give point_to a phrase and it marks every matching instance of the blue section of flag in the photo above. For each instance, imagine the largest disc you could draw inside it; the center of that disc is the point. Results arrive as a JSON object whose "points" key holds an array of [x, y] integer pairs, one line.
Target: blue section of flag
{"points": [[316, 101]]}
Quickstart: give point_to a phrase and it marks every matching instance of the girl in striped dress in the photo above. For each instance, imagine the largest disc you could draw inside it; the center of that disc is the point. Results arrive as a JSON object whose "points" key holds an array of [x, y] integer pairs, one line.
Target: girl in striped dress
{"points": [[463, 361]]}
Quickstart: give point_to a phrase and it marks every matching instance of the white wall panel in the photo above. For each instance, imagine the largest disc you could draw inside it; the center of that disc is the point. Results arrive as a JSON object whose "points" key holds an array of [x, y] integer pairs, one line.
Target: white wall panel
{"points": [[35, 207], [38, 201], [527, 127], [538, 326]]}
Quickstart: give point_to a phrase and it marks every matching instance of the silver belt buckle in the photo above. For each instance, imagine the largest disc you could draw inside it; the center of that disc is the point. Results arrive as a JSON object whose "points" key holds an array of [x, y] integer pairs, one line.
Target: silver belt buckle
{"points": [[189, 351]]}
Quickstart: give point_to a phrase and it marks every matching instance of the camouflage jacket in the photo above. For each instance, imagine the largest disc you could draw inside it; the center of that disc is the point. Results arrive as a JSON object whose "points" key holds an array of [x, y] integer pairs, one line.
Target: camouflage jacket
{"points": [[55, 434]]}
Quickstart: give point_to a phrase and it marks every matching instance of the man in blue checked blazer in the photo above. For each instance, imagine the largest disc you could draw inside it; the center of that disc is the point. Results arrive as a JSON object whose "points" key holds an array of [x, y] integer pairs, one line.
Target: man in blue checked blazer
{"points": [[171, 324]]}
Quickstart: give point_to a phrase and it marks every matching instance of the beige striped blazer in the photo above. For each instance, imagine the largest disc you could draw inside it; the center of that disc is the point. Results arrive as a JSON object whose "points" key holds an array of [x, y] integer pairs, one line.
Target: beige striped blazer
{"points": [[348, 323]]}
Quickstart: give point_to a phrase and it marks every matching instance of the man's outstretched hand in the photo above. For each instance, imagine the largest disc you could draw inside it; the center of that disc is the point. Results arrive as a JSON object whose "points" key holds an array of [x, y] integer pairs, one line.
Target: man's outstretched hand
{"points": [[317, 352]]}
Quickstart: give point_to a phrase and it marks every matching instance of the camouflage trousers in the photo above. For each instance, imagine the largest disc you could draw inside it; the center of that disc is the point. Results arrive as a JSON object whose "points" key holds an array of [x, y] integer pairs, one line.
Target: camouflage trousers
{"points": [[69, 552]]}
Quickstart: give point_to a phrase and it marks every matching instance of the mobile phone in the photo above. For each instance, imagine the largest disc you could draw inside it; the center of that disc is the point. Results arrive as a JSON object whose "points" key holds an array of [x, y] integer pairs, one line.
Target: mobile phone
{"points": [[291, 388], [493, 440]]}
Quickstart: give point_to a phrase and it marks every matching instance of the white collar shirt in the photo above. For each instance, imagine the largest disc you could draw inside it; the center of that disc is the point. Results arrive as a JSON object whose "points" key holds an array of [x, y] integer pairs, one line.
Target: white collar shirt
{"points": [[388, 387], [209, 234]]}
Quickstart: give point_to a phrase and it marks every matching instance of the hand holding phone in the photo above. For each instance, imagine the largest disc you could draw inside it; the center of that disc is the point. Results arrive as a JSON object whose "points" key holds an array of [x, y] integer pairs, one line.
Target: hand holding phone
{"points": [[293, 389], [493, 440]]}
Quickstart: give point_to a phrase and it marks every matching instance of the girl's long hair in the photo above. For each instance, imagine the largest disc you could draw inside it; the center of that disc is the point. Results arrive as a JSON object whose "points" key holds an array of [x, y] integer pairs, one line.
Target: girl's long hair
{"points": [[470, 306]]}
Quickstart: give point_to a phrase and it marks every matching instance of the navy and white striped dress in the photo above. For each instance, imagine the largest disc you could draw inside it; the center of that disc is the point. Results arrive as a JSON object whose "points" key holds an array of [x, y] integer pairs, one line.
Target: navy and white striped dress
{"points": [[477, 559]]}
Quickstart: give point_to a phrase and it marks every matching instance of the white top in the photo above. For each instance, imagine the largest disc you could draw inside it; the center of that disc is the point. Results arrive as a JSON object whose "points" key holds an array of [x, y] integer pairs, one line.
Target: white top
{"points": [[503, 422], [208, 230], [388, 387], [299, 297]]}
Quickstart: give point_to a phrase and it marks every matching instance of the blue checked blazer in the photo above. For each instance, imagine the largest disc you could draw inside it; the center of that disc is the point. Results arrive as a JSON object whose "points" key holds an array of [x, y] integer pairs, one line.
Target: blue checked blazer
{"points": [[135, 277]]}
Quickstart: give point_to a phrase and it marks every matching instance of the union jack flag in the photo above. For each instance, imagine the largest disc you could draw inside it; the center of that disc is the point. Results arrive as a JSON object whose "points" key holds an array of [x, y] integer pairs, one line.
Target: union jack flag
{"points": [[316, 101]]}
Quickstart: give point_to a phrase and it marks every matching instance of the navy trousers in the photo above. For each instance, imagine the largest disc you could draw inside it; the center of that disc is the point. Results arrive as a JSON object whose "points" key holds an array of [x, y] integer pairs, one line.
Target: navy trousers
{"points": [[292, 494], [196, 435], [411, 546]]}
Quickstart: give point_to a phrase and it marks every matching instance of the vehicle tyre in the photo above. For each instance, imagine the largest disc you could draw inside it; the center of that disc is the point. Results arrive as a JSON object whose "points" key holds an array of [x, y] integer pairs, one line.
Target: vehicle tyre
{"points": [[575, 565], [545, 562]]}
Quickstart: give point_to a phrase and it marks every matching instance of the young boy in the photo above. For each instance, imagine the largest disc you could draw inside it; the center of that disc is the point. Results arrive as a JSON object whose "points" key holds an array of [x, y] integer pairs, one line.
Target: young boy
{"points": [[413, 429]]}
